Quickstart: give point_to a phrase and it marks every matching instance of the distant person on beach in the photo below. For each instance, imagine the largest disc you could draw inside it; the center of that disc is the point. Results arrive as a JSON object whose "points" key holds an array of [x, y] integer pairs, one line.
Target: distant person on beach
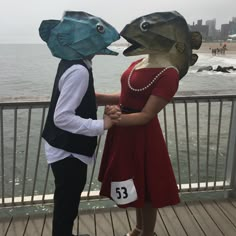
{"points": [[136, 169], [72, 127]]}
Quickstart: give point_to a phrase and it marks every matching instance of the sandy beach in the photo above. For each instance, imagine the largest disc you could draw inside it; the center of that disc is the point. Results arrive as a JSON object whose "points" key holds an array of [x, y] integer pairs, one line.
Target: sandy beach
{"points": [[206, 47]]}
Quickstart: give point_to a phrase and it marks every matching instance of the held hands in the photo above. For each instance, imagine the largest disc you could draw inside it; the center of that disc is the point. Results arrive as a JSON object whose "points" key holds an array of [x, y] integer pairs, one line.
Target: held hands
{"points": [[112, 115]]}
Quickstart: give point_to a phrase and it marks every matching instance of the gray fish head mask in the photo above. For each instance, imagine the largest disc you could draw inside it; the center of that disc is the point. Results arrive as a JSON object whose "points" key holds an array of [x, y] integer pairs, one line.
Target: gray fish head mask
{"points": [[163, 33], [78, 35]]}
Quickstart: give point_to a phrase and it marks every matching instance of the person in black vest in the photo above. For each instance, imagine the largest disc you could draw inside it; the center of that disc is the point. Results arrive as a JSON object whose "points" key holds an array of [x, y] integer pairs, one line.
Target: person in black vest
{"points": [[72, 127]]}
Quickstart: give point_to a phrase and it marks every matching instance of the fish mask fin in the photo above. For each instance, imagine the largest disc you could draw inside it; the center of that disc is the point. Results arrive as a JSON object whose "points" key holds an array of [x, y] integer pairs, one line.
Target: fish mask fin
{"points": [[65, 38], [193, 59], [196, 40], [180, 47], [45, 28]]}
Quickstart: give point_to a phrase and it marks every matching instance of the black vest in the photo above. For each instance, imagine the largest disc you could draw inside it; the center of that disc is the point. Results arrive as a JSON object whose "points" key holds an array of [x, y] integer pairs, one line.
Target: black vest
{"points": [[65, 140]]}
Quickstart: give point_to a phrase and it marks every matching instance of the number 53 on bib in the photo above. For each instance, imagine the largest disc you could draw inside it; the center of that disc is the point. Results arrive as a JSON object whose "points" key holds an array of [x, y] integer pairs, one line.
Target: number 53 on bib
{"points": [[123, 192]]}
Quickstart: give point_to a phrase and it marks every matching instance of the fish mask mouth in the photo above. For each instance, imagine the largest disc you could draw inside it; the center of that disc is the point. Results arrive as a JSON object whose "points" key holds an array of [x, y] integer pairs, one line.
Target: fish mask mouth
{"points": [[137, 48], [107, 51], [133, 47]]}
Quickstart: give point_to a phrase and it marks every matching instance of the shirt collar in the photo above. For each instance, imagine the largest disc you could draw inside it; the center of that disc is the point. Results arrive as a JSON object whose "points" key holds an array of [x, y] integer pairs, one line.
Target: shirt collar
{"points": [[88, 63]]}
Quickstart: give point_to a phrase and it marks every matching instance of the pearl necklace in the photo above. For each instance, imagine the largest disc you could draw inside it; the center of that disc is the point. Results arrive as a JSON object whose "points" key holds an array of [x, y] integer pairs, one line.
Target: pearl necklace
{"points": [[148, 85]]}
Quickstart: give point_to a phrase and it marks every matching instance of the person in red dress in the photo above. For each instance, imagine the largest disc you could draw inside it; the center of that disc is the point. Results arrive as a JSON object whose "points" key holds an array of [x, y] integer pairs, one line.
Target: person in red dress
{"points": [[135, 149], [135, 169]]}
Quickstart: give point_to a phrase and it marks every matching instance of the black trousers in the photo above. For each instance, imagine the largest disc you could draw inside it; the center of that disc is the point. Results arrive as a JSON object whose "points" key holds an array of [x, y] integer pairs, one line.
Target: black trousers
{"points": [[70, 178]]}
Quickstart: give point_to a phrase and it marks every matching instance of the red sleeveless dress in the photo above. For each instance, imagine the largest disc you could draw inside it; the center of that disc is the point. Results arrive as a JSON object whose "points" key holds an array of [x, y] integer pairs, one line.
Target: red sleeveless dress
{"points": [[140, 152]]}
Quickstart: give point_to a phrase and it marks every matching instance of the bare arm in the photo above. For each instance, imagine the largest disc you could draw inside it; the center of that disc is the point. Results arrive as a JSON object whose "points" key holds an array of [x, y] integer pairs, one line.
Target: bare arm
{"points": [[153, 106], [162, 94], [107, 99]]}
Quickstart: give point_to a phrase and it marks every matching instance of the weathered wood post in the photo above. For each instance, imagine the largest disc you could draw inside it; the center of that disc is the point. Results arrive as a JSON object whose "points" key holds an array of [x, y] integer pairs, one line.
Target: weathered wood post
{"points": [[231, 167]]}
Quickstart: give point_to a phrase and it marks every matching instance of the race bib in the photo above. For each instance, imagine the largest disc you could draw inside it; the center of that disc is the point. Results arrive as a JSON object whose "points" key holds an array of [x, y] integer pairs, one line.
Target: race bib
{"points": [[123, 192]]}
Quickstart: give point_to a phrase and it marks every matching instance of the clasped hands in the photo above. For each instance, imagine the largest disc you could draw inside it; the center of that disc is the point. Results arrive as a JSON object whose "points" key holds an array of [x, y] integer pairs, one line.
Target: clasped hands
{"points": [[112, 115]]}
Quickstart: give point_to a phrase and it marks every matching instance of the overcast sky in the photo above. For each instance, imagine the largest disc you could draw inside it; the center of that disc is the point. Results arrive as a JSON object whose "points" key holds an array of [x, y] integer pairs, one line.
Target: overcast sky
{"points": [[20, 19]]}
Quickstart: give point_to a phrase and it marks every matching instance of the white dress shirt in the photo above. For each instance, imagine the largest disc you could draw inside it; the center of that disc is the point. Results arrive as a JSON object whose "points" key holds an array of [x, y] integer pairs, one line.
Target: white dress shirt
{"points": [[73, 85]]}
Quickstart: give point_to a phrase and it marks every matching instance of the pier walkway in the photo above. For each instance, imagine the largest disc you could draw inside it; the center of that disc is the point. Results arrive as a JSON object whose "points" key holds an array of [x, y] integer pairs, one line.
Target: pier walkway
{"points": [[193, 218]]}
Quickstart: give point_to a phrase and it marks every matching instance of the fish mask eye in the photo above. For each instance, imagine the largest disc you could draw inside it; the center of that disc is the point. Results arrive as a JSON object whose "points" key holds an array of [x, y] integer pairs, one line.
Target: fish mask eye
{"points": [[100, 28], [144, 26]]}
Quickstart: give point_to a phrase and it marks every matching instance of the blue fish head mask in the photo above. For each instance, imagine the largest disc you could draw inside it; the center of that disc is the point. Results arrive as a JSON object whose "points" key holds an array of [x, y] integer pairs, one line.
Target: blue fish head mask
{"points": [[78, 35]]}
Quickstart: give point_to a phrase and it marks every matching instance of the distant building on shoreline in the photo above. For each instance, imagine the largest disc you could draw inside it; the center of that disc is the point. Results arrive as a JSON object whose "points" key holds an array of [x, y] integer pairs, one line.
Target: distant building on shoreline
{"points": [[203, 29], [209, 31]]}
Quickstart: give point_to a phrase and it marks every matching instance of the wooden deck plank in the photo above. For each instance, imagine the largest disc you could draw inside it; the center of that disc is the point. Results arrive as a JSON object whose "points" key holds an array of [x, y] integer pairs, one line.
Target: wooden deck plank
{"points": [[159, 227], [86, 224], [233, 201], [171, 221], [4, 225], [18, 226], [104, 224], [120, 222], [228, 209], [35, 225], [131, 217], [187, 220], [211, 218], [47, 229], [204, 220], [219, 218]]}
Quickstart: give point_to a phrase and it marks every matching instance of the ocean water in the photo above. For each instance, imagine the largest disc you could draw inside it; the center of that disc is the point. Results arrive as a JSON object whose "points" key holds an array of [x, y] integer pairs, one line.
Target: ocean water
{"points": [[29, 71]]}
